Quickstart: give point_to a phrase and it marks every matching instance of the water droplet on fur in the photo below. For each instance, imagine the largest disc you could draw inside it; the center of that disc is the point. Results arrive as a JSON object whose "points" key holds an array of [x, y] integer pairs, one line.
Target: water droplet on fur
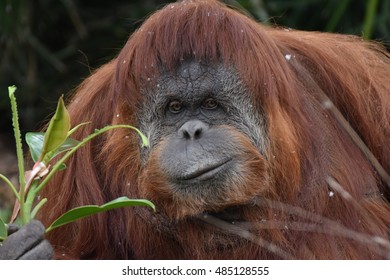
{"points": [[327, 104], [288, 56], [117, 115], [331, 194]]}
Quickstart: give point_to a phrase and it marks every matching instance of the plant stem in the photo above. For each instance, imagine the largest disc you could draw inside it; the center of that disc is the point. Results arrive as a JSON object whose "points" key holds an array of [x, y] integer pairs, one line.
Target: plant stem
{"points": [[9, 183], [31, 194], [19, 149], [77, 127], [38, 207]]}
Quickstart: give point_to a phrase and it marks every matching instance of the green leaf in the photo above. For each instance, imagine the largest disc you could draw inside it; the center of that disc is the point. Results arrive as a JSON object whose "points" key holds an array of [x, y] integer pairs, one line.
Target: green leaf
{"points": [[88, 210], [35, 142], [57, 132], [3, 230]]}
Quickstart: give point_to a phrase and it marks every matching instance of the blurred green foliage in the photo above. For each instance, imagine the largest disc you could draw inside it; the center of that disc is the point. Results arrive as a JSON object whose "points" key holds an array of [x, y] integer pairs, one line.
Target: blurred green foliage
{"points": [[48, 46]]}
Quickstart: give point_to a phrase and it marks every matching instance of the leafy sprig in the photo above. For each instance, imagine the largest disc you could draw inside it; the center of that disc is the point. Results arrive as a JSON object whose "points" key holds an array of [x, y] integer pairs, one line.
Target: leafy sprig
{"points": [[44, 147]]}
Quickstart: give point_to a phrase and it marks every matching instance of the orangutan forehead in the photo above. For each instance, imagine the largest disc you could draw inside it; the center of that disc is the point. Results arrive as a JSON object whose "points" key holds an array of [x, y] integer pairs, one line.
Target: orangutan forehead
{"points": [[191, 73], [196, 71], [195, 81]]}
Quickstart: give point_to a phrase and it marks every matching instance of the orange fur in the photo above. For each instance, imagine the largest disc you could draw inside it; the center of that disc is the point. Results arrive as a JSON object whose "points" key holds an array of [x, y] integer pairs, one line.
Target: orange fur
{"points": [[309, 154]]}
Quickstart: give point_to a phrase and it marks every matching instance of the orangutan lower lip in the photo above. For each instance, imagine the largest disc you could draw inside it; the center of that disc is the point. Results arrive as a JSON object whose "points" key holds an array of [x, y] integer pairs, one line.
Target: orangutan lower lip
{"points": [[207, 172]]}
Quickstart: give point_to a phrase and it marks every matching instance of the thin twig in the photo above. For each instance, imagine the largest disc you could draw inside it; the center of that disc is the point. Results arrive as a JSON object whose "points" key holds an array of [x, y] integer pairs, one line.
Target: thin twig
{"points": [[328, 105], [243, 233]]}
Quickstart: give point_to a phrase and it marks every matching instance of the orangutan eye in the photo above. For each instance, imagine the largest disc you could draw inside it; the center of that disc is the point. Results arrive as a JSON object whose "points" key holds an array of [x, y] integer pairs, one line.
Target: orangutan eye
{"points": [[175, 106], [210, 104]]}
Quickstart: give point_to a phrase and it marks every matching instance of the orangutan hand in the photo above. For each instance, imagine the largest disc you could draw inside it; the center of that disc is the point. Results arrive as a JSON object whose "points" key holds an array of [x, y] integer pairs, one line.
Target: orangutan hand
{"points": [[27, 243]]}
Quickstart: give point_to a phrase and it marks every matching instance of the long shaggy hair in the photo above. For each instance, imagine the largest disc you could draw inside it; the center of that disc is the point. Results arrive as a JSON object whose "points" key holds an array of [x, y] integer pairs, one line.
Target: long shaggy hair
{"points": [[322, 95]]}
